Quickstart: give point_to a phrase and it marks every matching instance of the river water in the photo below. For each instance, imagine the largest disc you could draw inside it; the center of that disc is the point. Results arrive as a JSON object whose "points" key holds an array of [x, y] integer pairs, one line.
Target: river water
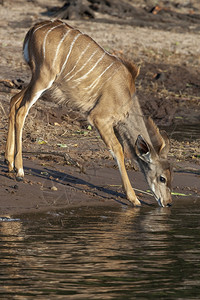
{"points": [[102, 253]]}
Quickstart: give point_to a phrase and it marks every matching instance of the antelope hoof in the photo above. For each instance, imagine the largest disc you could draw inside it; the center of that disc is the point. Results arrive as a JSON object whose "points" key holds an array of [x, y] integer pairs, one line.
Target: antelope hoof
{"points": [[20, 175], [11, 171], [135, 202], [19, 178], [11, 168]]}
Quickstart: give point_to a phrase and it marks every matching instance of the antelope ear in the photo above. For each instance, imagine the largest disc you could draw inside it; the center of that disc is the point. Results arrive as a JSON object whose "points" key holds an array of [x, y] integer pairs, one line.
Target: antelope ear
{"points": [[138, 71], [142, 149], [164, 149], [159, 139]]}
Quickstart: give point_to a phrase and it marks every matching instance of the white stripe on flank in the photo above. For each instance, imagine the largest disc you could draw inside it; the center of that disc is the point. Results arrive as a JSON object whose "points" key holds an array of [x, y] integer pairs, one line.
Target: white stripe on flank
{"points": [[70, 49], [104, 82], [39, 27], [44, 42], [85, 75], [59, 45], [83, 66], [95, 82], [78, 60]]}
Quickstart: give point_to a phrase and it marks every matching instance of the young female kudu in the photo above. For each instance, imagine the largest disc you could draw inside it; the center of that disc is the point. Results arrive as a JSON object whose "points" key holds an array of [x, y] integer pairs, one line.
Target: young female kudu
{"points": [[77, 70]]}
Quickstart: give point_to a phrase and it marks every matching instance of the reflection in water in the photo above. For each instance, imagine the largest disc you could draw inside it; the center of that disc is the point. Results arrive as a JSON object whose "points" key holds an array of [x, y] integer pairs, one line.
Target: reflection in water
{"points": [[102, 253]]}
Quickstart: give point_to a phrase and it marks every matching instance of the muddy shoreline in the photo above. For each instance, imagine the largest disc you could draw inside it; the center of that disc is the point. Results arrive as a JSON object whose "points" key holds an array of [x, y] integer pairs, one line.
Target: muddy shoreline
{"points": [[50, 186]]}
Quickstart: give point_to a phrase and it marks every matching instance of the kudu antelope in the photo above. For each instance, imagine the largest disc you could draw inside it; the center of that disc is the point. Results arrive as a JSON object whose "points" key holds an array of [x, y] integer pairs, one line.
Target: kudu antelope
{"points": [[77, 70]]}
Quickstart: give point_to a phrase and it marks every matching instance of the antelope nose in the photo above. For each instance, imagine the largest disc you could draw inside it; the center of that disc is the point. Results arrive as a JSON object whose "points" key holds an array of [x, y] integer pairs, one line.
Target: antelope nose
{"points": [[169, 202]]}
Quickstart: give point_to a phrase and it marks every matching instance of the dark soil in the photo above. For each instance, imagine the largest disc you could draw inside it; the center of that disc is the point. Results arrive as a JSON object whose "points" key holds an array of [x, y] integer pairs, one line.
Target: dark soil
{"points": [[162, 16]]}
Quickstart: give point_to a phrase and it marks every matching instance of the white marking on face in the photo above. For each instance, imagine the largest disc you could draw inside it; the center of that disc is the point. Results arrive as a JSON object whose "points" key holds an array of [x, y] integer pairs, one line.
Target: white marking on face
{"points": [[59, 45], [70, 49], [157, 196], [153, 187], [85, 75], [46, 35]]}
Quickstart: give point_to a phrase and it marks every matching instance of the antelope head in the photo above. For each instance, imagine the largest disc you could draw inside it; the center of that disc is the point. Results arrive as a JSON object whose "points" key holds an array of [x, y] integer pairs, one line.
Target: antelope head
{"points": [[152, 158]]}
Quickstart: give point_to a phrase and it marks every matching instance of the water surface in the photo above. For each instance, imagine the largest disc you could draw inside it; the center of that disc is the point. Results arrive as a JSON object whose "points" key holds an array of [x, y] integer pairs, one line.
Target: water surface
{"points": [[102, 253]]}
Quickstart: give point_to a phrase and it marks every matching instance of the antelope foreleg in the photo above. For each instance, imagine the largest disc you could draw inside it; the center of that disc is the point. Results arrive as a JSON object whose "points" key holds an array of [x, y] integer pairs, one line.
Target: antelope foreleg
{"points": [[110, 139]]}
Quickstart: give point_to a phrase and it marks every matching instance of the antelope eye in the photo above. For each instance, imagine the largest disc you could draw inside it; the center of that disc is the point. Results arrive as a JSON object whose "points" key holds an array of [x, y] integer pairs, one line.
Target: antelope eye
{"points": [[162, 179]]}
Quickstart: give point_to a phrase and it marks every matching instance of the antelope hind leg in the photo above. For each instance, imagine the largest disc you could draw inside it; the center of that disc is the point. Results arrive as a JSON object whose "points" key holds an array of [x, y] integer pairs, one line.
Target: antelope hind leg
{"points": [[10, 144], [33, 92]]}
